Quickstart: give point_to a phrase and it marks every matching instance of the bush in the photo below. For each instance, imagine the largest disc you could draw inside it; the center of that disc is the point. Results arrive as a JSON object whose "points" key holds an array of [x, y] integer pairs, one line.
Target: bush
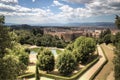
{"points": [[46, 60], [66, 63], [84, 46], [9, 67], [24, 58]]}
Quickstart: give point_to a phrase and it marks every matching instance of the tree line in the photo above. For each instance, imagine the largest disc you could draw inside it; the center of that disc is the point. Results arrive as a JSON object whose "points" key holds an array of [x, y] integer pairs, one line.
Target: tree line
{"points": [[36, 36]]}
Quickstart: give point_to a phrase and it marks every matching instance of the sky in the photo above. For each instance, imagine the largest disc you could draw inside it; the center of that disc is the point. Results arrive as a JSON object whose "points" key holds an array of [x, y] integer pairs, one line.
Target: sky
{"points": [[59, 11]]}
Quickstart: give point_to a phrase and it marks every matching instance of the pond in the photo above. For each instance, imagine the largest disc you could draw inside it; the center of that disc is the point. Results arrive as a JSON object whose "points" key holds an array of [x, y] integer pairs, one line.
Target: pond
{"points": [[52, 50], [33, 52]]}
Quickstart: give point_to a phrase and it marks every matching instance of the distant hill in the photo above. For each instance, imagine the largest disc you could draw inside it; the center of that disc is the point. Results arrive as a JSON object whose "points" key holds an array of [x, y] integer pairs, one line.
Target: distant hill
{"points": [[94, 24]]}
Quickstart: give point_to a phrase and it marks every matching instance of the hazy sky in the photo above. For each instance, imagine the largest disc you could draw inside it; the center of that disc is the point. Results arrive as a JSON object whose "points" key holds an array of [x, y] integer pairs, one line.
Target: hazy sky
{"points": [[59, 11]]}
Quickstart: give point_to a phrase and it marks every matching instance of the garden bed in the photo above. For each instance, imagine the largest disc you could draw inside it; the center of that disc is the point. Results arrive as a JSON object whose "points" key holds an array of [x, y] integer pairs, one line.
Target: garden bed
{"points": [[58, 77]]}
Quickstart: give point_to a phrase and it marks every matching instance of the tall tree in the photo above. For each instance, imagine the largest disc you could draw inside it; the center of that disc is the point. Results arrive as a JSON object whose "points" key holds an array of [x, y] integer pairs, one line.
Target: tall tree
{"points": [[5, 38], [2, 19], [116, 62], [117, 21], [37, 73], [84, 47], [66, 63], [46, 60], [10, 65], [117, 51]]}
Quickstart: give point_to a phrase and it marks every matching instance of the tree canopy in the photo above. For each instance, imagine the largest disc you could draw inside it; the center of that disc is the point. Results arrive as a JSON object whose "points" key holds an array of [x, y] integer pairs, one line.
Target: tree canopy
{"points": [[66, 63], [46, 60], [84, 46], [117, 21]]}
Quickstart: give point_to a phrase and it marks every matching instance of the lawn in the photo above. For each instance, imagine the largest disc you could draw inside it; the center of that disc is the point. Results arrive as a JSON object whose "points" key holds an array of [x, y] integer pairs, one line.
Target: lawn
{"points": [[35, 49], [58, 51]]}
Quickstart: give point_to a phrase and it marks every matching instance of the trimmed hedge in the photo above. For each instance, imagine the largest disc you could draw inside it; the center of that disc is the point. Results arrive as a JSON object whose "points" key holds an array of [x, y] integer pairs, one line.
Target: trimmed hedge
{"points": [[99, 69], [30, 75]]}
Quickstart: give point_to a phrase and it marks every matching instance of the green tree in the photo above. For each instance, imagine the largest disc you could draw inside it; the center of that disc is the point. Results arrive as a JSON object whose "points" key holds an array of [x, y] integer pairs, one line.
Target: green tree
{"points": [[117, 38], [70, 47], [66, 63], [46, 60], [2, 19], [24, 58], [117, 21], [77, 55], [37, 76], [9, 67], [103, 35], [84, 47], [116, 62], [6, 38], [107, 38]]}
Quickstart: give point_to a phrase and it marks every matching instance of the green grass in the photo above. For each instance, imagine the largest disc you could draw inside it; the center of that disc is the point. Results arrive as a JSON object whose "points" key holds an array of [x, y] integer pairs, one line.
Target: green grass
{"points": [[58, 51], [35, 49]]}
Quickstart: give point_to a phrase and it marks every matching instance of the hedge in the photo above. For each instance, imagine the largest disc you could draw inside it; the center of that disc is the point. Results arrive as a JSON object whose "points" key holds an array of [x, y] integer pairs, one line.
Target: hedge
{"points": [[29, 75], [99, 69]]}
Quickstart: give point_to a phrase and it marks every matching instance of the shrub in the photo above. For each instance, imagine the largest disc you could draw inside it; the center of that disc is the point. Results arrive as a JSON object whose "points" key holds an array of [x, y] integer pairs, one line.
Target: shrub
{"points": [[46, 60], [66, 63], [24, 58], [84, 46]]}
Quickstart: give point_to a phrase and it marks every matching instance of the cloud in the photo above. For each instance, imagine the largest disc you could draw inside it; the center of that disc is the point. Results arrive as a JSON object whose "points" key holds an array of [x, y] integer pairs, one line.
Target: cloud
{"points": [[92, 8], [9, 1], [33, 0], [79, 1], [57, 3]]}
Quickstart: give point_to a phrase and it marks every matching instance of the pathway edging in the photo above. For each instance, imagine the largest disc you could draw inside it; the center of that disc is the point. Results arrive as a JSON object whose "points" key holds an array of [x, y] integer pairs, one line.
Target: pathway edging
{"points": [[94, 70]]}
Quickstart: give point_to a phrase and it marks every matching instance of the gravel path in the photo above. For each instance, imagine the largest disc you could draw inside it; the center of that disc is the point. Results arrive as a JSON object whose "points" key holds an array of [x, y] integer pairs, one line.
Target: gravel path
{"points": [[87, 75], [106, 72], [110, 76]]}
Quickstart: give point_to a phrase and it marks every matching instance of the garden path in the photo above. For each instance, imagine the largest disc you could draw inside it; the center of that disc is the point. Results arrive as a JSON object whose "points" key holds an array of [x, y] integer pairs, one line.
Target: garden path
{"points": [[88, 74]]}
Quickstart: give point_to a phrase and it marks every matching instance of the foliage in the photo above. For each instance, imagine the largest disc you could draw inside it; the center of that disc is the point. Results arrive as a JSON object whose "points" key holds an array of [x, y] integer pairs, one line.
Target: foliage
{"points": [[77, 55], [10, 64], [107, 38], [9, 67], [84, 46], [5, 40], [46, 60], [36, 37], [24, 58], [117, 21], [70, 47], [116, 60], [37, 73], [2, 19], [73, 77], [58, 51], [66, 63], [117, 39]]}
